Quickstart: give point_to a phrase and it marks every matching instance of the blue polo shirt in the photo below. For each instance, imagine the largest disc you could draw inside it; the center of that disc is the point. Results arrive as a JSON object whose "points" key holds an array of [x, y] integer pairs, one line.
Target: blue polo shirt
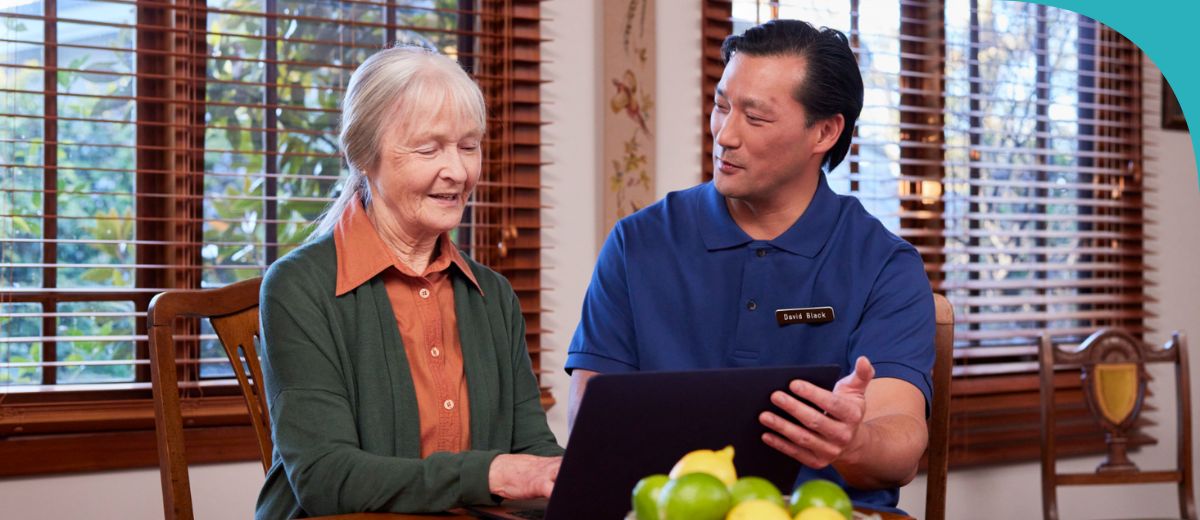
{"points": [[678, 285]]}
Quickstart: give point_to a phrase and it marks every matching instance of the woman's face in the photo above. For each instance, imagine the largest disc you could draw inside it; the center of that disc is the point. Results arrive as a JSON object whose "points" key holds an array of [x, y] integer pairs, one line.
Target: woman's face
{"points": [[426, 172]]}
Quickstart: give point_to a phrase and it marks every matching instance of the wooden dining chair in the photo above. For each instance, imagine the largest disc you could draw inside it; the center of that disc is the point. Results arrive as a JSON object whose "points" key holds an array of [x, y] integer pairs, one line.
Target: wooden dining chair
{"points": [[937, 453], [233, 312], [1112, 365]]}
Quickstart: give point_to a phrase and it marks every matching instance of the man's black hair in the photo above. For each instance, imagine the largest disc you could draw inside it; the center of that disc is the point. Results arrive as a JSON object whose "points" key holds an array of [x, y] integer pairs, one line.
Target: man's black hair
{"points": [[832, 84]]}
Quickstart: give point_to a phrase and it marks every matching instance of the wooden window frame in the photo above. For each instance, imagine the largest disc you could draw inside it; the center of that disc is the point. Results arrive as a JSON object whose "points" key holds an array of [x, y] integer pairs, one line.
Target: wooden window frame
{"points": [[994, 416], [73, 428]]}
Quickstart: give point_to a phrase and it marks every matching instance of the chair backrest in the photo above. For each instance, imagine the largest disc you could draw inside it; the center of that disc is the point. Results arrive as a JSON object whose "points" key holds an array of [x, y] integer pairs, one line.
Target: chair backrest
{"points": [[233, 313], [1112, 364], [939, 417]]}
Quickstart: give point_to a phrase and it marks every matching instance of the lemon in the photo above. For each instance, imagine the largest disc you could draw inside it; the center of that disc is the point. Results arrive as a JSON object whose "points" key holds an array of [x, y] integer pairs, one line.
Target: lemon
{"points": [[819, 513], [716, 463], [758, 510], [695, 496]]}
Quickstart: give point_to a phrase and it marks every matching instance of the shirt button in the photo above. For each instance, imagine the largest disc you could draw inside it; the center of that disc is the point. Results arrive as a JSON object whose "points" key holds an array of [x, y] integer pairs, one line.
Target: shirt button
{"points": [[435, 352], [761, 253], [423, 292], [751, 305], [448, 404]]}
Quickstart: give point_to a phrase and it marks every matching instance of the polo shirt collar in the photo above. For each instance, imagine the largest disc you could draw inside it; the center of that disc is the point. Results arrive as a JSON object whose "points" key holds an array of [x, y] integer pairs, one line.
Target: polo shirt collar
{"points": [[361, 254], [806, 237]]}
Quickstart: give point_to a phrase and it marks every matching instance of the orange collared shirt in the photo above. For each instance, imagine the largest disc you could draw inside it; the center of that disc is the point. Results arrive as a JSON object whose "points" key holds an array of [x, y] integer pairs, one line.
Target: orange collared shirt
{"points": [[424, 308]]}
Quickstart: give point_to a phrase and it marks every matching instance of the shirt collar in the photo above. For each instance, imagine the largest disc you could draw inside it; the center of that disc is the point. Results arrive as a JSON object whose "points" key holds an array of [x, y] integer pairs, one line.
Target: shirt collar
{"points": [[806, 237], [361, 253]]}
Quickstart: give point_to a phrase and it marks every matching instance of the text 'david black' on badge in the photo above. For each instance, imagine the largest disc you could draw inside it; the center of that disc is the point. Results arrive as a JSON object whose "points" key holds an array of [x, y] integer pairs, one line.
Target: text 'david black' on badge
{"points": [[804, 315]]}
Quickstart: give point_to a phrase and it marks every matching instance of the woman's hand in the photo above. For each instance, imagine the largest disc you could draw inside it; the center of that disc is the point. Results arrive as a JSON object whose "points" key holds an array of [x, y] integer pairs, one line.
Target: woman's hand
{"points": [[522, 477]]}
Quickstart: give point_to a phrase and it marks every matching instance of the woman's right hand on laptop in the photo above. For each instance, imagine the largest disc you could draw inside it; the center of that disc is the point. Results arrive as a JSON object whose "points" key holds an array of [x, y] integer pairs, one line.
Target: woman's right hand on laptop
{"points": [[521, 477]]}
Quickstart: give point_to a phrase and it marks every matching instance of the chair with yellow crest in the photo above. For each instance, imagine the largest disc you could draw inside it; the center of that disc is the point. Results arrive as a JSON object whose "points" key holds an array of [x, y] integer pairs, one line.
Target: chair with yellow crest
{"points": [[1112, 365]]}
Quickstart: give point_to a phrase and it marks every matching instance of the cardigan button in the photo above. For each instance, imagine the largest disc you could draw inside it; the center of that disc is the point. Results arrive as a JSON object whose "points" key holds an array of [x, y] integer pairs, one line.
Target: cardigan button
{"points": [[435, 352], [449, 405], [423, 292]]}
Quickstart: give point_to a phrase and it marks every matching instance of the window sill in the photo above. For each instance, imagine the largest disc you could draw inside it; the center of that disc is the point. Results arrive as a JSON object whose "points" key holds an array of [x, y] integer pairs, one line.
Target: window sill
{"points": [[105, 451], [62, 437], [105, 413]]}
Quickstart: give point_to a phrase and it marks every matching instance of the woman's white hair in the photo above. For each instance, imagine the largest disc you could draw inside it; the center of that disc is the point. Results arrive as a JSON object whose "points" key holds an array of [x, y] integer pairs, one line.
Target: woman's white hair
{"points": [[399, 85]]}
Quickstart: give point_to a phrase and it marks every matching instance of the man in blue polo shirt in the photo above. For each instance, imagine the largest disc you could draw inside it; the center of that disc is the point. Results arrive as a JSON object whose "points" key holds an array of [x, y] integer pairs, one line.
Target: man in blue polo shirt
{"points": [[765, 265]]}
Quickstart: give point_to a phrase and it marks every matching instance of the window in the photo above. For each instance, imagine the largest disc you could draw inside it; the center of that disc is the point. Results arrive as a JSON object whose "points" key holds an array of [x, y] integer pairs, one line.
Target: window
{"points": [[150, 145], [1003, 140]]}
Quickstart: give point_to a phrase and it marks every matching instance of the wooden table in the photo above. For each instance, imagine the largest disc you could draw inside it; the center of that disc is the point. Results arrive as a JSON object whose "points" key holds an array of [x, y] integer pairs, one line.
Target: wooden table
{"points": [[457, 515]]}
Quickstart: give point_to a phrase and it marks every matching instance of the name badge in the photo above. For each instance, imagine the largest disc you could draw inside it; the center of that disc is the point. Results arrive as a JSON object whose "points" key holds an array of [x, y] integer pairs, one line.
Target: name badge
{"points": [[804, 315]]}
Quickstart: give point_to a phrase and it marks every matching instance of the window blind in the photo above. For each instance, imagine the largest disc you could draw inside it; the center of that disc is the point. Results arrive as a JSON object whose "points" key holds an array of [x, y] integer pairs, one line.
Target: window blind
{"points": [[153, 145], [1003, 140]]}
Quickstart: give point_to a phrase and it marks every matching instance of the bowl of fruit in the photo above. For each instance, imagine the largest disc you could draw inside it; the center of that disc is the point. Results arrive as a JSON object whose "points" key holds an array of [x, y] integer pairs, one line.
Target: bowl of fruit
{"points": [[704, 485]]}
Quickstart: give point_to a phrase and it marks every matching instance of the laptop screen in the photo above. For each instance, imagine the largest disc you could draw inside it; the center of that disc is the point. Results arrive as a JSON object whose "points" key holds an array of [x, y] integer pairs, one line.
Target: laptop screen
{"points": [[637, 424]]}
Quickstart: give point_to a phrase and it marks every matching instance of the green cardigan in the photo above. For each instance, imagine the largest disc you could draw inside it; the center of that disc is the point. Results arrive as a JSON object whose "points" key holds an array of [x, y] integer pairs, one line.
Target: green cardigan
{"points": [[343, 409]]}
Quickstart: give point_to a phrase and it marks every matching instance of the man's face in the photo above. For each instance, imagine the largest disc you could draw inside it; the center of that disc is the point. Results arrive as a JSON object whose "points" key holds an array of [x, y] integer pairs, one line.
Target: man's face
{"points": [[761, 142]]}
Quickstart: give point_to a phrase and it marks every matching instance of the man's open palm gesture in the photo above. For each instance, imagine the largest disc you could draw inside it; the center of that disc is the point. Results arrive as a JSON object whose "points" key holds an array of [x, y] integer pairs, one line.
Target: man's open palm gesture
{"points": [[817, 438]]}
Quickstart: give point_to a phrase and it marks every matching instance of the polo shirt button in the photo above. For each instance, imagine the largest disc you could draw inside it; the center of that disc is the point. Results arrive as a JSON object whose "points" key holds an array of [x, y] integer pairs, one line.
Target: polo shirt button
{"points": [[448, 404], [423, 292], [751, 305], [761, 253], [435, 352]]}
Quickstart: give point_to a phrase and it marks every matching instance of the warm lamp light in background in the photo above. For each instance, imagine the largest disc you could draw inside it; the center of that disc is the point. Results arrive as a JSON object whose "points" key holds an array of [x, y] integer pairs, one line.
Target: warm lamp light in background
{"points": [[929, 191]]}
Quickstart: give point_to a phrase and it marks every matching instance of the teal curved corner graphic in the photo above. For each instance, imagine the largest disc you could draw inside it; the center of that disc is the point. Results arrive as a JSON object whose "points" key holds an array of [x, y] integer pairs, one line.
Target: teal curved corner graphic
{"points": [[1166, 31]]}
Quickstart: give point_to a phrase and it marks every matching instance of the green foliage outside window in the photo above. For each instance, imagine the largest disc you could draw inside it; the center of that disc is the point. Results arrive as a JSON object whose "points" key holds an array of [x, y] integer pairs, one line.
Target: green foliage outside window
{"points": [[96, 183]]}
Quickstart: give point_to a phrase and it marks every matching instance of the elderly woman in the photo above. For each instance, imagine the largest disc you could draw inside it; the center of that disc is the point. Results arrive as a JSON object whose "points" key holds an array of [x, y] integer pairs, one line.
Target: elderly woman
{"points": [[395, 367]]}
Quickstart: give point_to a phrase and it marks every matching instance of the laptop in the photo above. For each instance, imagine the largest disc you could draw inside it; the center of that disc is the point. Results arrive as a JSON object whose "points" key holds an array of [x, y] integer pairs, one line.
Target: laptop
{"points": [[637, 424]]}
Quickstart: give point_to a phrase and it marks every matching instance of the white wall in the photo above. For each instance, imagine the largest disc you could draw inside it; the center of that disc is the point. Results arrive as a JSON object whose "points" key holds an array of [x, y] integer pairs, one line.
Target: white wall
{"points": [[680, 121], [571, 224], [228, 490], [219, 491]]}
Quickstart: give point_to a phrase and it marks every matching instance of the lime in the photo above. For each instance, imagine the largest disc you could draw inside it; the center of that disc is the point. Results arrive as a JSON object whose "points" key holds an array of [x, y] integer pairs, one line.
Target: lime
{"points": [[755, 488], [758, 510], [695, 496], [716, 463], [822, 493], [645, 496], [820, 513]]}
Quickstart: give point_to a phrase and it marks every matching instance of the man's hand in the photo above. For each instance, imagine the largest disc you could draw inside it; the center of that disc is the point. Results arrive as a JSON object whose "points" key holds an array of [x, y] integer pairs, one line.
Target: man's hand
{"points": [[521, 477], [824, 437], [872, 430]]}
